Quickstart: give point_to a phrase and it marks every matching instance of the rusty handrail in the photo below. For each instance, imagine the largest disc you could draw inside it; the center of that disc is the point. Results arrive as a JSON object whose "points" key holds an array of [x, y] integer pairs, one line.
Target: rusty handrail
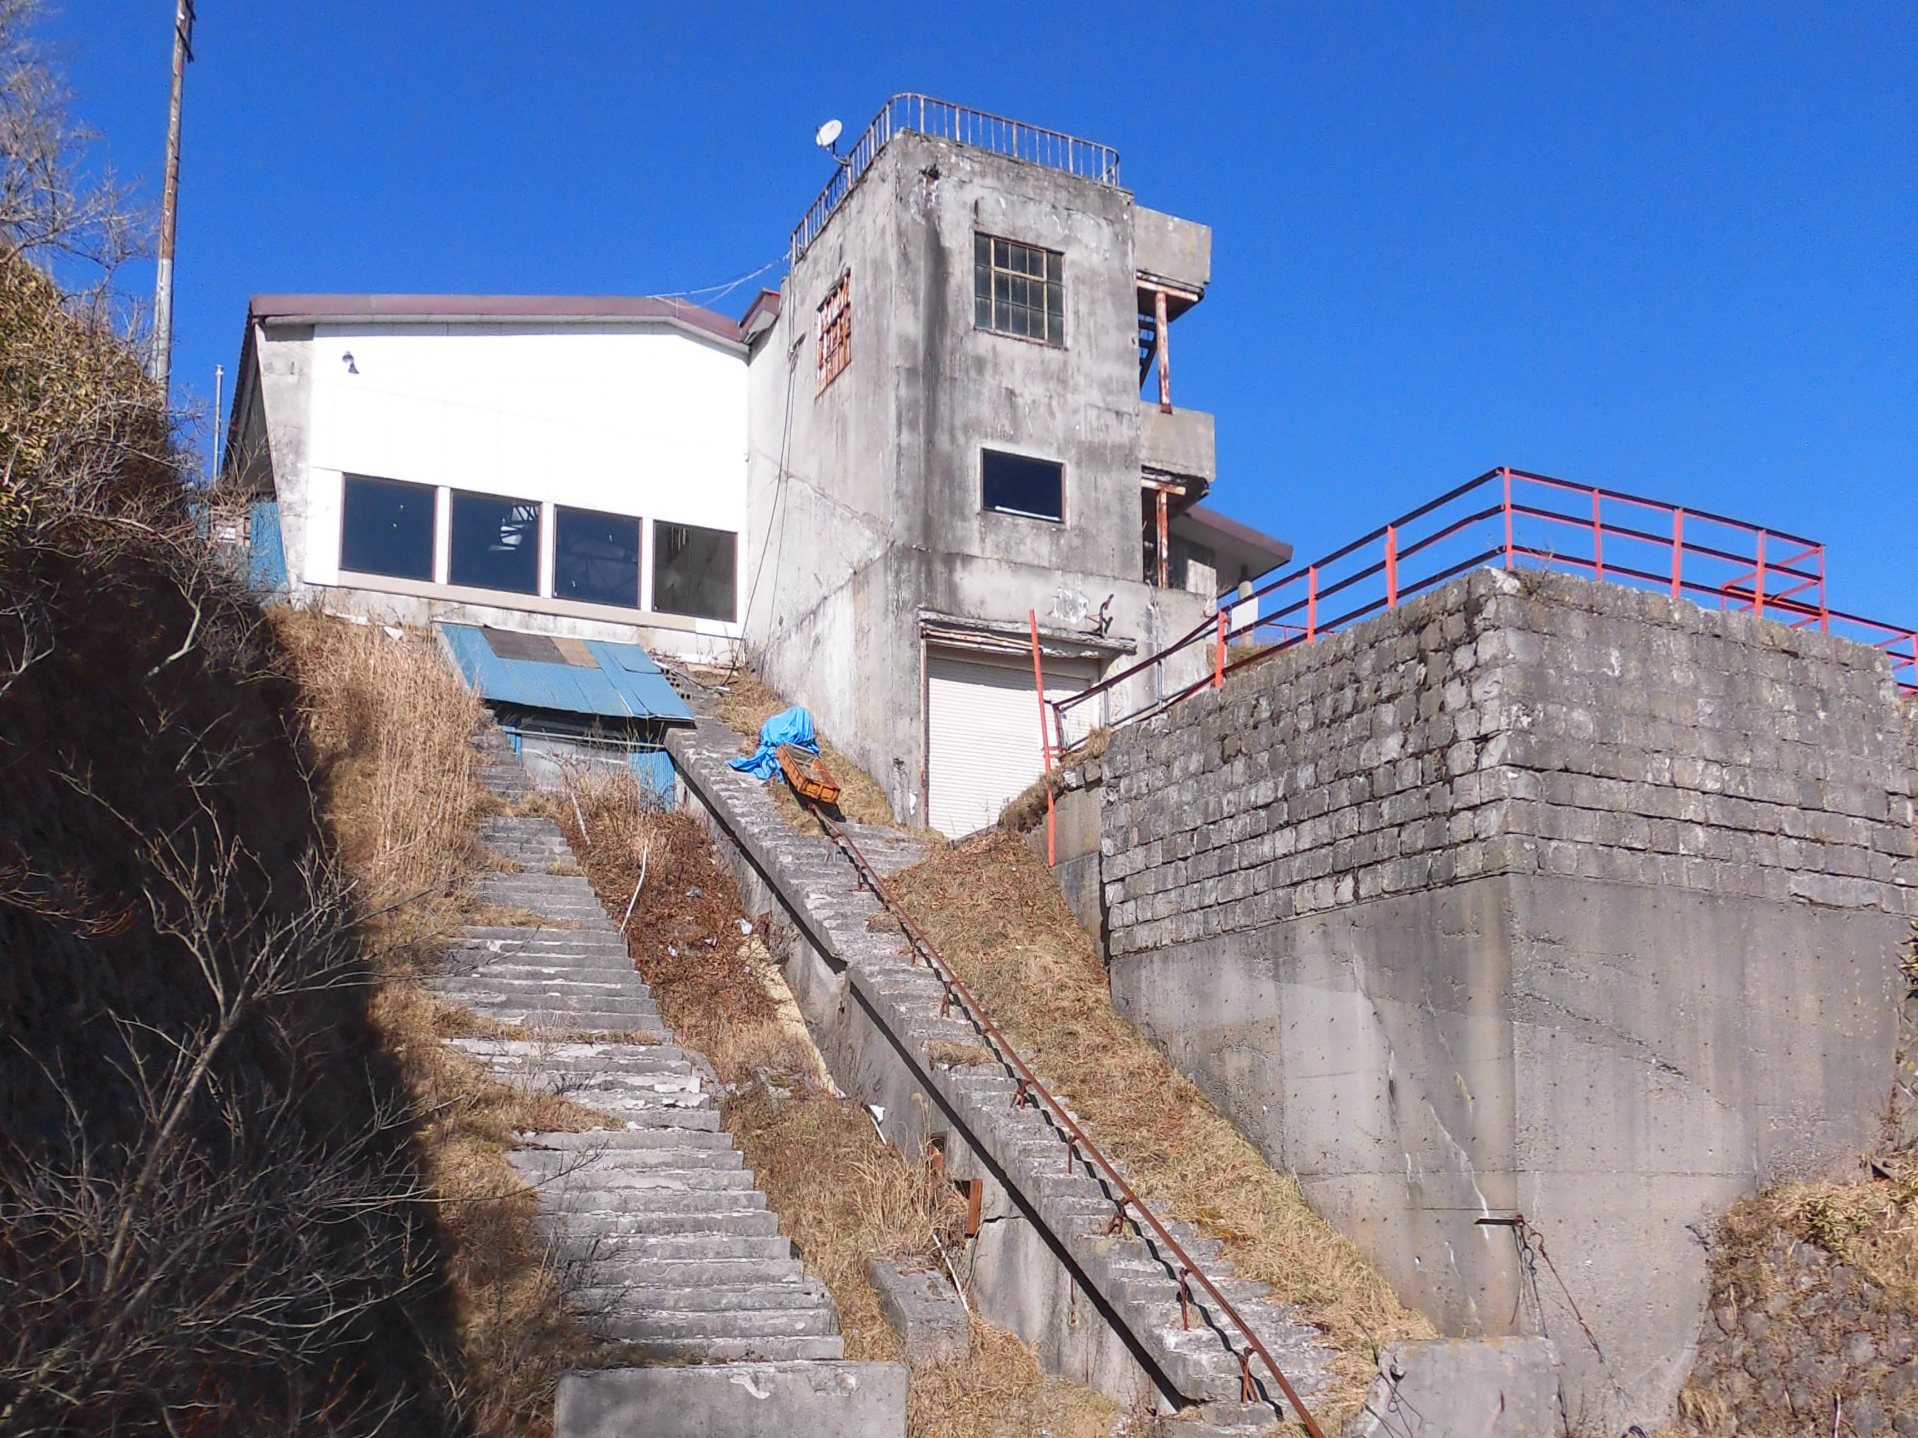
{"points": [[1078, 1144]]}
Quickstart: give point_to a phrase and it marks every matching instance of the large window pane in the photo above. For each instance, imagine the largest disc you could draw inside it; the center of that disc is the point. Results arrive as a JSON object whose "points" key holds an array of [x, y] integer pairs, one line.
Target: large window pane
{"points": [[1019, 484], [596, 557], [495, 543], [386, 527], [693, 570]]}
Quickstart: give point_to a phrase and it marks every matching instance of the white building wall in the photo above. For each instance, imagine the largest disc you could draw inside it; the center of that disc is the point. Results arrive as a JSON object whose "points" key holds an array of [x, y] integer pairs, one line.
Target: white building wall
{"points": [[634, 420]]}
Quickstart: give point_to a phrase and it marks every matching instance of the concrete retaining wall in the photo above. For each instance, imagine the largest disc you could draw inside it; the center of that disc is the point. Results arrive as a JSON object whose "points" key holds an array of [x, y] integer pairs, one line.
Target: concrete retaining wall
{"points": [[1534, 895]]}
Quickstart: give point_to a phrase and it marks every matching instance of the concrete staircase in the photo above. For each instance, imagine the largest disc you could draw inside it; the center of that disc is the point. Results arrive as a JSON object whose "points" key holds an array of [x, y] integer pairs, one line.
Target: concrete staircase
{"points": [[661, 1238], [1136, 1284]]}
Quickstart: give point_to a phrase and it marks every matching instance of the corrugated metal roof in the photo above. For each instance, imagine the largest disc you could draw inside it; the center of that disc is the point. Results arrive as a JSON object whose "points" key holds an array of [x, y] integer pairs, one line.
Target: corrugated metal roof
{"points": [[622, 683]]}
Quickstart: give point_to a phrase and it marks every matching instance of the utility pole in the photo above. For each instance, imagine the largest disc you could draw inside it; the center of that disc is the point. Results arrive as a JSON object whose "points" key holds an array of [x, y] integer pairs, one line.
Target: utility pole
{"points": [[162, 365]]}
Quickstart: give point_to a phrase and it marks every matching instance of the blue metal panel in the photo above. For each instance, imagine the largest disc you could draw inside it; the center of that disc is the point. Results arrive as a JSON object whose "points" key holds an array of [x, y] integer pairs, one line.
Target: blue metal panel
{"points": [[625, 685], [266, 553], [655, 770]]}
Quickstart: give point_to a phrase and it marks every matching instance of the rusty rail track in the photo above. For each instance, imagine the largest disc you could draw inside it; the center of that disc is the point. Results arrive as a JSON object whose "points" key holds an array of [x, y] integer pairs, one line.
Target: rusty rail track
{"points": [[1129, 1208]]}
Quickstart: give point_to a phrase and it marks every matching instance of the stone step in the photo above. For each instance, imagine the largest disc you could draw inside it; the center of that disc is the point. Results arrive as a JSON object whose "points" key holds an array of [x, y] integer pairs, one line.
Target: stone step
{"points": [[609, 994], [629, 1012], [537, 937], [636, 1325], [616, 1225], [635, 1248], [699, 1297], [739, 1350], [567, 1050], [713, 1163], [612, 1271], [582, 1192], [634, 1142]]}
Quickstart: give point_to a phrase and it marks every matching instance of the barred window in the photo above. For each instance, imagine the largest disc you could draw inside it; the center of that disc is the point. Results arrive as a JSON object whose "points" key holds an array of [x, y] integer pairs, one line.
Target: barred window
{"points": [[835, 330], [1018, 289]]}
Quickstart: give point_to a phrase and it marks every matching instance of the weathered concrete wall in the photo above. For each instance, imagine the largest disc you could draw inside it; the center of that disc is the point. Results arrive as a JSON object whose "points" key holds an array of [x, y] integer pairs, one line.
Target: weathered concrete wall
{"points": [[1535, 895], [865, 496]]}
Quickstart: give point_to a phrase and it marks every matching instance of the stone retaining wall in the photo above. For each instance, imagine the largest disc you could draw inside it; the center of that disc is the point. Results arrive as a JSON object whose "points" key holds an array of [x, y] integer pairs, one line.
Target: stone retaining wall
{"points": [[1533, 895]]}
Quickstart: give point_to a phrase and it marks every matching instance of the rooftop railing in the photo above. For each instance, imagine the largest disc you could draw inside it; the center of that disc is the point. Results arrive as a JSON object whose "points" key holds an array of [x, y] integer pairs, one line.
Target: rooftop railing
{"points": [[924, 115], [1505, 518]]}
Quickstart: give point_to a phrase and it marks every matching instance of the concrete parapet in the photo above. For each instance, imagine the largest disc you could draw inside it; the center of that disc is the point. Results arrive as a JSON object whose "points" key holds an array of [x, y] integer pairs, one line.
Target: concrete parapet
{"points": [[740, 1400], [1451, 1388], [1534, 895], [924, 1311]]}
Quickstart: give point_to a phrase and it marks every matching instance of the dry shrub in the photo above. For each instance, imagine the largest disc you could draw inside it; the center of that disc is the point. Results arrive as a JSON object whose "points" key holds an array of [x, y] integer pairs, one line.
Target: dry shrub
{"points": [[389, 721], [994, 911], [745, 703]]}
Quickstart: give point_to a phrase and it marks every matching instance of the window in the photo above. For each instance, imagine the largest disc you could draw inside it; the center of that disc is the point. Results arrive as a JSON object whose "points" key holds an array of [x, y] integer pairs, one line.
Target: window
{"points": [[386, 527], [1018, 484], [495, 543], [693, 571], [835, 331], [1018, 289], [595, 557]]}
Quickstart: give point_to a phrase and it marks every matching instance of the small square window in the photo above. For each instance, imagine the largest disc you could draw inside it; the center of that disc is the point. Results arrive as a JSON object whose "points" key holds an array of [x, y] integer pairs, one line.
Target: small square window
{"points": [[495, 543], [1018, 290], [694, 571], [1019, 484], [386, 527]]}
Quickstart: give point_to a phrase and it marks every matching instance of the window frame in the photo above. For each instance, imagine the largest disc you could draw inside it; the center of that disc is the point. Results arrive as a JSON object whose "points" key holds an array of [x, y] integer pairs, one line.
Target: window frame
{"points": [[538, 507], [432, 493], [988, 507], [992, 313], [833, 321]]}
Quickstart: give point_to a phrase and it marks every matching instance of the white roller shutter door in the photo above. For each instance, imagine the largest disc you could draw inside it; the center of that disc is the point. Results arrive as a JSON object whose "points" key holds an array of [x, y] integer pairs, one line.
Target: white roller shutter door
{"points": [[982, 731]]}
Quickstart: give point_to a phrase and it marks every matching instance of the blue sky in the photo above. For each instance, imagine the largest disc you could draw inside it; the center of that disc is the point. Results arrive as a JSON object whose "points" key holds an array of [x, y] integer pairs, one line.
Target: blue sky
{"points": [[1664, 248]]}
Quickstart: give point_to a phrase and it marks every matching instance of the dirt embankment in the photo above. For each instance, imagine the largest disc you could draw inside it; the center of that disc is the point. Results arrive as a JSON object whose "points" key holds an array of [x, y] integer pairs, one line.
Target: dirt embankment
{"points": [[211, 1209]]}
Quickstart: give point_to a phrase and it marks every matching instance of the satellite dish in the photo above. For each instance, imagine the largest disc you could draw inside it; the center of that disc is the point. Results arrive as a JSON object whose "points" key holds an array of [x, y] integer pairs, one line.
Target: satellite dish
{"points": [[827, 135]]}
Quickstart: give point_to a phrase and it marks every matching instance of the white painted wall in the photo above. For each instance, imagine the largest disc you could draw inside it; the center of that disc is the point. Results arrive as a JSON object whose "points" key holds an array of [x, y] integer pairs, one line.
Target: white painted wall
{"points": [[640, 420]]}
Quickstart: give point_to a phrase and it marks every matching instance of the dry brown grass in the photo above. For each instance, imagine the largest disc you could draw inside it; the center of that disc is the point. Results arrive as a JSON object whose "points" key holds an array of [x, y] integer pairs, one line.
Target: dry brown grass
{"points": [[389, 724], [995, 913], [747, 703], [998, 1390], [389, 721]]}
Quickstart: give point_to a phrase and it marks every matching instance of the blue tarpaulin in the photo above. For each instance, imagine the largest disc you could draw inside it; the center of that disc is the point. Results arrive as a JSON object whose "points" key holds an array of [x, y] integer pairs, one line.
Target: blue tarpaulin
{"points": [[789, 726]]}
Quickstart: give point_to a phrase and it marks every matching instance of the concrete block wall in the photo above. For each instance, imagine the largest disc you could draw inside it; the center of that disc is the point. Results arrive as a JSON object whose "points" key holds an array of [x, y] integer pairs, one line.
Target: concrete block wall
{"points": [[1533, 895]]}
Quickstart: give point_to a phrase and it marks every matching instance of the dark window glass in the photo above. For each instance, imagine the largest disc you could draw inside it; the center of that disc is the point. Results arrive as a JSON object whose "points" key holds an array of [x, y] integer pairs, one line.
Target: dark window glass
{"points": [[596, 557], [495, 543], [1017, 484], [386, 527], [693, 570]]}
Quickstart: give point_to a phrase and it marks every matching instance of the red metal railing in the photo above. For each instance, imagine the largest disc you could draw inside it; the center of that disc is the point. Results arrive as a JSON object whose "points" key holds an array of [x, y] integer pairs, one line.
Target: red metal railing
{"points": [[1505, 517]]}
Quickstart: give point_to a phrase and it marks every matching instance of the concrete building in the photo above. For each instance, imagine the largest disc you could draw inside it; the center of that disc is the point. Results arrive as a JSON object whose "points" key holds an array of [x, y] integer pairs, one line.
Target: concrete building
{"points": [[933, 430], [553, 465], [948, 436]]}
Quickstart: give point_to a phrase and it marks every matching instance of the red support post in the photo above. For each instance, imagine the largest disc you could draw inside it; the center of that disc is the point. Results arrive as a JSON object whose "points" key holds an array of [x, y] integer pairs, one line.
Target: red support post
{"points": [[1162, 329], [1391, 566], [1218, 655], [1312, 605], [1045, 737], [1824, 611], [1758, 582], [1508, 515], [1678, 553]]}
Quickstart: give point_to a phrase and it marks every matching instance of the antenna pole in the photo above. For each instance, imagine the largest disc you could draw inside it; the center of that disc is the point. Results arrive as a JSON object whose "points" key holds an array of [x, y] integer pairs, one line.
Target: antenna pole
{"points": [[162, 363], [219, 376]]}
